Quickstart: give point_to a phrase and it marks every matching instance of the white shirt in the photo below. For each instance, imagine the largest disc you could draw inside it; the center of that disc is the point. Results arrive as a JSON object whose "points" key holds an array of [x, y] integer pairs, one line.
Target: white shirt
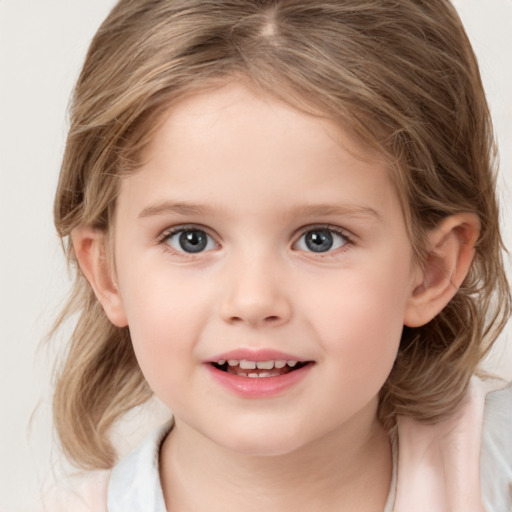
{"points": [[461, 464]]}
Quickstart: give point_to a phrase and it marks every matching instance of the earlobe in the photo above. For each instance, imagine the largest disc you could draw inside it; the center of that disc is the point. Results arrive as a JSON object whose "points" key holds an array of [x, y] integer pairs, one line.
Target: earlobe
{"points": [[451, 251], [89, 245]]}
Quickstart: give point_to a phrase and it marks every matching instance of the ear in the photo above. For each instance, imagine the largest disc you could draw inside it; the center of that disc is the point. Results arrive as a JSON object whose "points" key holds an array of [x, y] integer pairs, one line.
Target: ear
{"points": [[90, 249], [451, 251]]}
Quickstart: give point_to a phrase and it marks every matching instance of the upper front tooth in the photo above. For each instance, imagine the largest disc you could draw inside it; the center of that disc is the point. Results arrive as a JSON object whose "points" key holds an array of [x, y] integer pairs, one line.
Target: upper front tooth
{"points": [[265, 365], [261, 365], [247, 365]]}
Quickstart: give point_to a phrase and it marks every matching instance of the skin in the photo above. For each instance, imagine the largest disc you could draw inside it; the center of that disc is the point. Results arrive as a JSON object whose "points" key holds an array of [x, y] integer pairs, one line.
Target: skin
{"points": [[256, 175]]}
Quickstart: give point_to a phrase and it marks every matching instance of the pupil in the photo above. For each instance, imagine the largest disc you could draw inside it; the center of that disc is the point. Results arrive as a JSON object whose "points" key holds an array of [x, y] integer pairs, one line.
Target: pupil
{"points": [[319, 241], [193, 241]]}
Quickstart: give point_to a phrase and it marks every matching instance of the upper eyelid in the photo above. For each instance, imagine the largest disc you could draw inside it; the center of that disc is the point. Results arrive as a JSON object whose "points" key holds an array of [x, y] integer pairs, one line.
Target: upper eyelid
{"points": [[336, 229], [172, 230]]}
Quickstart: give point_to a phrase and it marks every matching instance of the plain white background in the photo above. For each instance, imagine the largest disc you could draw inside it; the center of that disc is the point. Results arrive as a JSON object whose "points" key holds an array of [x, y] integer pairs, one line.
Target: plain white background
{"points": [[42, 46]]}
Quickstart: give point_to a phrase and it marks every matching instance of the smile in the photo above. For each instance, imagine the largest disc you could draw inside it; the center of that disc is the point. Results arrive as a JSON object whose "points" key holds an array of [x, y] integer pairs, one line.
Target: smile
{"points": [[258, 374], [258, 369]]}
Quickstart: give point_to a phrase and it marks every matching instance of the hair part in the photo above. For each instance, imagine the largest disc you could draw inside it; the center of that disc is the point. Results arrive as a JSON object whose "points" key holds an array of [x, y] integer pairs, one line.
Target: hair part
{"points": [[398, 74]]}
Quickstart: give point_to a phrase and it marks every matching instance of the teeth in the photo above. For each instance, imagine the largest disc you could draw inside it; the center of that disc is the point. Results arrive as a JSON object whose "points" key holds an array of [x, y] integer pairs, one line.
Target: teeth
{"points": [[260, 374], [265, 365], [247, 365], [261, 365]]}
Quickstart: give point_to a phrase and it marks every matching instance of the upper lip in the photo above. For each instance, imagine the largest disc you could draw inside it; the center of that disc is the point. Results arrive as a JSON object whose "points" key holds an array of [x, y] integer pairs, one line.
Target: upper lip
{"points": [[261, 354]]}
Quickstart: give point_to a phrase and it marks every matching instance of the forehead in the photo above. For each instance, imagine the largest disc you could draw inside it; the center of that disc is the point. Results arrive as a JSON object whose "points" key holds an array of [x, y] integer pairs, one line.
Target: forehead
{"points": [[249, 108], [232, 146]]}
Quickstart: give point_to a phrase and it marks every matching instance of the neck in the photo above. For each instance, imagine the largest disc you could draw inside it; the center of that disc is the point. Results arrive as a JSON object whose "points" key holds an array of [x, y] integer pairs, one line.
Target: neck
{"points": [[349, 468]]}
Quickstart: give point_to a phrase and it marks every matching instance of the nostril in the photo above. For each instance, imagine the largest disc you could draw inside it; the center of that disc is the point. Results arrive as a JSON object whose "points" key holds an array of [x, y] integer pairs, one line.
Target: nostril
{"points": [[269, 319], [255, 310]]}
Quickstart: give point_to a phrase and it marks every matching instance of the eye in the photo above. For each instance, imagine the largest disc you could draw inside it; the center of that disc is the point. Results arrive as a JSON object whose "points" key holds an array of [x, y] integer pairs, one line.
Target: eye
{"points": [[321, 240], [189, 240]]}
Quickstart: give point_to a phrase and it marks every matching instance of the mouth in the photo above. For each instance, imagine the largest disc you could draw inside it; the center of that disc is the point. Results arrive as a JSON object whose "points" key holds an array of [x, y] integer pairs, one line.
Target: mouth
{"points": [[258, 374], [259, 369]]}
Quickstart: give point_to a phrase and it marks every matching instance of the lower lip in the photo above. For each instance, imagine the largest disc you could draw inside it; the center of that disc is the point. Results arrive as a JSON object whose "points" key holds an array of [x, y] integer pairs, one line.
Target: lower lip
{"points": [[259, 387]]}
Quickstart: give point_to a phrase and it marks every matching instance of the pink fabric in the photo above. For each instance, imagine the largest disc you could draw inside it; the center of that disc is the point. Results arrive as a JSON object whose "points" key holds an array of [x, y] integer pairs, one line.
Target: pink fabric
{"points": [[439, 465]]}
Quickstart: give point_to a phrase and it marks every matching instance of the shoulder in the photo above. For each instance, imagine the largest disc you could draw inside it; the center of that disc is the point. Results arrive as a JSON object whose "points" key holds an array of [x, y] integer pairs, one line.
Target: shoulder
{"points": [[496, 452], [461, 463], [82, 492], [135, 481]]}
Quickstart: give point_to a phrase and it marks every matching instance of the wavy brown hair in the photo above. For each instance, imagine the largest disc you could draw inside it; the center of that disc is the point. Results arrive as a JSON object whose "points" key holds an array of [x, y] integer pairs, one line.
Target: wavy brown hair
{"points": [[399, 74]]}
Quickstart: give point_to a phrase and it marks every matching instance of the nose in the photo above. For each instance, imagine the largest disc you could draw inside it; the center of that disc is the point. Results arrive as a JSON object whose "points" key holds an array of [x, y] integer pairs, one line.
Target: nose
{"points": [[255, 294]]}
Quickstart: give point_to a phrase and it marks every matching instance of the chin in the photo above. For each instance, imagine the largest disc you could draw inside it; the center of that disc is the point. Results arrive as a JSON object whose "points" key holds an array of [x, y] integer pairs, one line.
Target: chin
{"points": [[264, 442]]}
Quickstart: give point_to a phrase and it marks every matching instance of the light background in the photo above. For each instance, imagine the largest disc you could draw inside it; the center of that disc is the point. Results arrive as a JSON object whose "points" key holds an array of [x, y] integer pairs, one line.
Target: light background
{"points": [[42, 46]]}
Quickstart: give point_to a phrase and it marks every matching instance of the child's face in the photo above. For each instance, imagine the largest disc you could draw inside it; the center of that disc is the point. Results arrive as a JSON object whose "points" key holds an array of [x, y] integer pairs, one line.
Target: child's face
{"points": [[256, 232]]}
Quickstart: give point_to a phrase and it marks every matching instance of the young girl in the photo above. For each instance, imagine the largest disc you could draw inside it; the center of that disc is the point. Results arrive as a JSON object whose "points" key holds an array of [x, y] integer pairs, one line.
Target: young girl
{"points": [[284, 220]]}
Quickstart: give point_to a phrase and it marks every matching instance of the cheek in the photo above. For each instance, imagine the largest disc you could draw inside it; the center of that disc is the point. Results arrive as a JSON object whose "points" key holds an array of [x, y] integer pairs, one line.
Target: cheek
{"points": [[160, 302], [360, 322], [164, 322]]}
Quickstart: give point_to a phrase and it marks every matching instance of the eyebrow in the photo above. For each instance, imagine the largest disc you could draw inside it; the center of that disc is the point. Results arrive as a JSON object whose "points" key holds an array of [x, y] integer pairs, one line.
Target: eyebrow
{"points": [[167, 207], [313, 210], [325, 210]]}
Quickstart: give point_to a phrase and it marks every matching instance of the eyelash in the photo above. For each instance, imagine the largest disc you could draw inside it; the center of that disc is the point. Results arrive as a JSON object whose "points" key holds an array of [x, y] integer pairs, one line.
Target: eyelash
{"points": [[347, 239], [169, 233]]}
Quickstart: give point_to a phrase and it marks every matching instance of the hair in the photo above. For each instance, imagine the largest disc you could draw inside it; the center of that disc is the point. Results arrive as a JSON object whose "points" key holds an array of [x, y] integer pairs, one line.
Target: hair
{"points": [[399, 74]]}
